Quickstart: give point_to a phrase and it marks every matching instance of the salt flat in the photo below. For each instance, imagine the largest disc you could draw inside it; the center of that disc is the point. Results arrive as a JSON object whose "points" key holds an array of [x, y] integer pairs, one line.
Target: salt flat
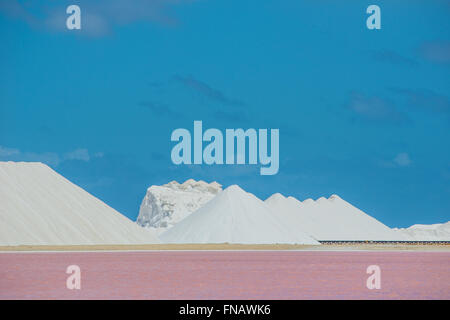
{"points": [[231, 247]]}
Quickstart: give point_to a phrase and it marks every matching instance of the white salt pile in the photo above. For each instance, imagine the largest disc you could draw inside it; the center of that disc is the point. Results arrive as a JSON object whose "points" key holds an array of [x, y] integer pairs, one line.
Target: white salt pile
{"points": [[330, 219], [40, 207], [234, 216], [424, 232]]}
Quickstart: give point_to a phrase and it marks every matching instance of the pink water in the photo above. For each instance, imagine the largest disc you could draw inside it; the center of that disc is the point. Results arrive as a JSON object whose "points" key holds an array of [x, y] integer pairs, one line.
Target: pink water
{"points": [[225, 275]]}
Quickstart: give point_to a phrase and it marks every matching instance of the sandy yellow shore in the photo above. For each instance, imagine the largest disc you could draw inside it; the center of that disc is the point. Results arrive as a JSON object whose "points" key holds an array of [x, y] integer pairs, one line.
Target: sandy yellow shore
{"points": [[344, 247]]}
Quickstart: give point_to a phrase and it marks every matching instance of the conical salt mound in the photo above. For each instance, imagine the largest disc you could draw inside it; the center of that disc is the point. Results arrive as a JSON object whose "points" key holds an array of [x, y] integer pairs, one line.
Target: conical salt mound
{"points": [[40, 207], [331, 219], [234, 216], [424, 232]]}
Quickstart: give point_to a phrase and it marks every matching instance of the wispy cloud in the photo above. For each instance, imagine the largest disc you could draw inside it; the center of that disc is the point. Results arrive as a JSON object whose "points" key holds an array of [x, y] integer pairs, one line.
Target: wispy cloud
{"points": [[160, 109], [375, 108], [50, 158], [402, 159], [12, 154], [17, 10], [7, 152], [436, 51], [98, 17], [426, 99], [207, 91], [78, 154], [392, 57]]}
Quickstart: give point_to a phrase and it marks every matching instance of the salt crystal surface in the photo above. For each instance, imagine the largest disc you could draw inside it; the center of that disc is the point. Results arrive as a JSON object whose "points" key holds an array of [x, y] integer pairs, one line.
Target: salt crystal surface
{"points": [[430, 232], [234, 216], [40, 207], [330, 219]]}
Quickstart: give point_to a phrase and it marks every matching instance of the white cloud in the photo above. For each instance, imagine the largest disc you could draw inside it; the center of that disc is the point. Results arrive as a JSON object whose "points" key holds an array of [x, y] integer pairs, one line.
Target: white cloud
{"points": [[78, 154], [50, 158], [7, 152], [402, 159], [12, 154], [98, 17]]}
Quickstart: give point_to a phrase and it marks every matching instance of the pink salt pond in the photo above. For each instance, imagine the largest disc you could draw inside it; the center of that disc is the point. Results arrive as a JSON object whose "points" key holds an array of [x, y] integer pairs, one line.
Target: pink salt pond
{"points": [[225, 275]]}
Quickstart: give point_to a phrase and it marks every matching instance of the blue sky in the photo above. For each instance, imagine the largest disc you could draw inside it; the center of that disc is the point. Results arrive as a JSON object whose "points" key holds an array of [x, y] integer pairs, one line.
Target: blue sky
{"points": [[362, 113]]}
